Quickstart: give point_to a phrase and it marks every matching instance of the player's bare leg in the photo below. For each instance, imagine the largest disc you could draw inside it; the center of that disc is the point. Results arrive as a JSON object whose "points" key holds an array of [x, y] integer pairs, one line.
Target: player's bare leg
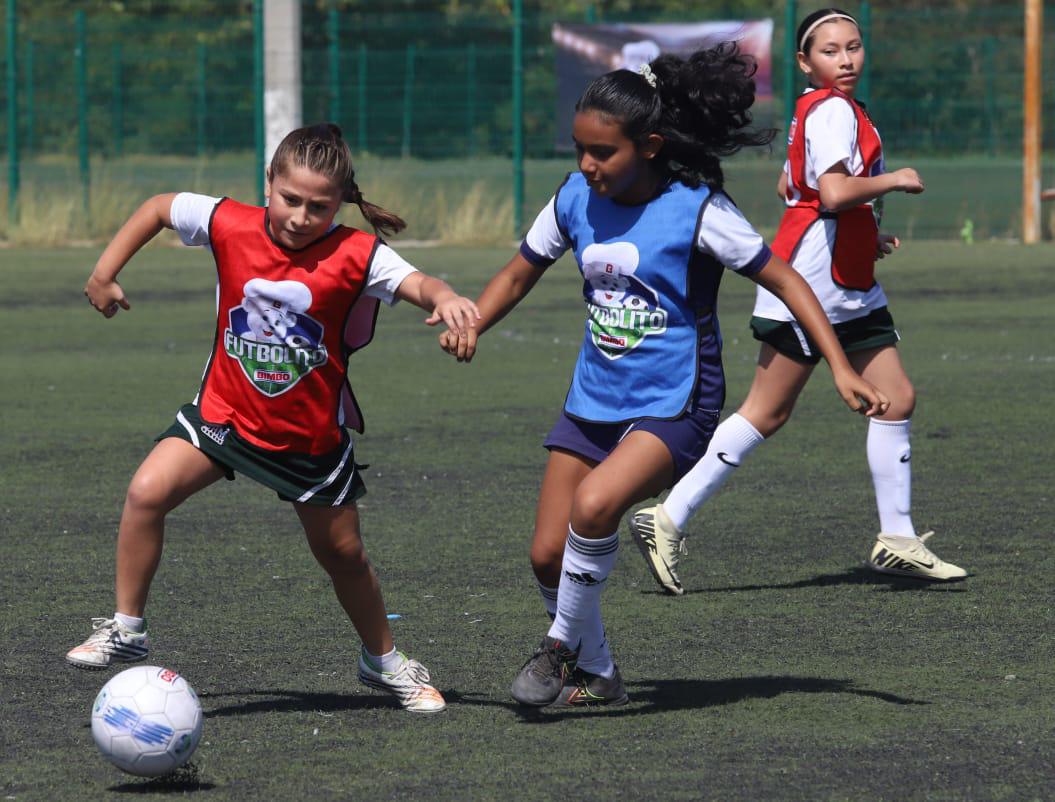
{"points": [[334, 538], [172, 472]]}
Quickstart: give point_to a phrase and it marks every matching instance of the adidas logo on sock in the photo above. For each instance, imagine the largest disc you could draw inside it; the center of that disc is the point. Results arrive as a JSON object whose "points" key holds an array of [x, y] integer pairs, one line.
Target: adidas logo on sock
{"points": [[585, 578]]}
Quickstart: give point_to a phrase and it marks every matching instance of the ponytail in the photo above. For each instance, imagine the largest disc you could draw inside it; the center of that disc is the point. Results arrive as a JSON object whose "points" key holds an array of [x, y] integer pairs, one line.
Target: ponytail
{"points": [[322, 149], [699, 105]]}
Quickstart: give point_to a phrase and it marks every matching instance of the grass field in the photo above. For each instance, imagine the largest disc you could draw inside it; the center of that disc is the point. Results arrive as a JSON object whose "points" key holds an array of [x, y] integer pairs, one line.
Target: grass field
{"points": [[787, 671], [470, 201]]}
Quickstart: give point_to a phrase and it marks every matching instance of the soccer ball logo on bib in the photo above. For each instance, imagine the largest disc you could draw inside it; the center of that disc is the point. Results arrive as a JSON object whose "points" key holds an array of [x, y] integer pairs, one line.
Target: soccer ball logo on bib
{"points": [[623, 309], [272, 338]]}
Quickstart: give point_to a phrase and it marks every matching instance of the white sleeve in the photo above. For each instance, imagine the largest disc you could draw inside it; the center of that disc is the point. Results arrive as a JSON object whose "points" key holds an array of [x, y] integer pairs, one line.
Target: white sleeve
{"points": [[831, 138], [387, 271], [190, 215], [726, 235], [545, 243]]}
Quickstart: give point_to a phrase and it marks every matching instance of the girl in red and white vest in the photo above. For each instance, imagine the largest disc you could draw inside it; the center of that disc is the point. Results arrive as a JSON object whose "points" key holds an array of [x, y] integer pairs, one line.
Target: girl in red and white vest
{"points": [[831, 183], [296, 295]]}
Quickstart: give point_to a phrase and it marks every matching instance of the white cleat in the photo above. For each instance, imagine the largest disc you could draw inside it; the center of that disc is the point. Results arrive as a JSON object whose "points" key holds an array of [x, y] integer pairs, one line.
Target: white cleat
{"points": [[661, 544], [409, 684], [109, 643], [909, 556]]}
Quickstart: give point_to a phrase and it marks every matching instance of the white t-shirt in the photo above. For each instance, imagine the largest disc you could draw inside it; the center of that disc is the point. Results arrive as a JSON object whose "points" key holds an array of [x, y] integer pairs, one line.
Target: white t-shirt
{"points": [[190, 215], [831, 139], [724, 234]]}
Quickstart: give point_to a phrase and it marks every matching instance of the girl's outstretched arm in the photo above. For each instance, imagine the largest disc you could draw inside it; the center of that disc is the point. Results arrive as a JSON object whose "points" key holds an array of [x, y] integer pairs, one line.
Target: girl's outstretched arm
{"points": [[443, 303], [839, 190], [501, 294], [102, 289], [784, 282]]}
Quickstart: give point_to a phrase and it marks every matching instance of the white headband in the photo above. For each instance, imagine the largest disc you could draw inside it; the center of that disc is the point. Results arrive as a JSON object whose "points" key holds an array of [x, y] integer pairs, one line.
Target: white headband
{"points": [[821, 21]]}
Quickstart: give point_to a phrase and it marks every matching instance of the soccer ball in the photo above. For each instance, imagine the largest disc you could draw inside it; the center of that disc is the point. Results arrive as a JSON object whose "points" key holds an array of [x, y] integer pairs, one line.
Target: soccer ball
{"points": [[147, 721]]}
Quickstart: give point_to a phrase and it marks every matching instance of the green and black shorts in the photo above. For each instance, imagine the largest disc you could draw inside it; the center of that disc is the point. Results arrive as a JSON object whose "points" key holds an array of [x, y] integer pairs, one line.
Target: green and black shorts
{"points": [[874, 330], [325, 480]]}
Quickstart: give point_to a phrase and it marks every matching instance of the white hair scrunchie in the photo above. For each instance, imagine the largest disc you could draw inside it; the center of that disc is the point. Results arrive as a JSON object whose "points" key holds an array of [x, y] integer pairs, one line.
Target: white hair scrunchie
{"points": [[648, 75]]}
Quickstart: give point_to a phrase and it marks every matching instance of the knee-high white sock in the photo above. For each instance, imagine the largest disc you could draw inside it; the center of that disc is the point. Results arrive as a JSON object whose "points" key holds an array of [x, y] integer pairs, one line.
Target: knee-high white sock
{"points": [[549, 598], [594, 655], [587, 563], [889, 457], [733, 440]]}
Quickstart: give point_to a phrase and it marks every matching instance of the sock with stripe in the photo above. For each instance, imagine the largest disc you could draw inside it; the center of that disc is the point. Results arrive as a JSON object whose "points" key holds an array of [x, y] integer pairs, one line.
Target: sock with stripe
{"points": [[389, 661], [733, 440], [549, 598], [587, 563], [890, 460]]}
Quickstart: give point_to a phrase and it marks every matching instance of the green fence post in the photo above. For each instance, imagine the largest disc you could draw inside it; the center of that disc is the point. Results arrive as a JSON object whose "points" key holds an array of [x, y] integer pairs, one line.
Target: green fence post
{"points": [[31, 133], [470, 98], [864, 89], [518, 117], [203, 100], [335, 65], [790, 62], [12, 113], [408, 100], [590, 14], [258, 97], [81, 82], [360, 98], [118, 108]]}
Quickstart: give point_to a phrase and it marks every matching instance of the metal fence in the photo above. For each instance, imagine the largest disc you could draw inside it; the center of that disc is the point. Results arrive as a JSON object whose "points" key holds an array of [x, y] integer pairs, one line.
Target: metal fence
{"points": [[942, 81]]}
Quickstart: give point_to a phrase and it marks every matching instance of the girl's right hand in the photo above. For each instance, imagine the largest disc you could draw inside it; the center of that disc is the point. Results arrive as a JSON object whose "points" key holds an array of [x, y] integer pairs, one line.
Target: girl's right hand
{"points": [[908, 180], [859, 395], [105, 296], [461, 346]]}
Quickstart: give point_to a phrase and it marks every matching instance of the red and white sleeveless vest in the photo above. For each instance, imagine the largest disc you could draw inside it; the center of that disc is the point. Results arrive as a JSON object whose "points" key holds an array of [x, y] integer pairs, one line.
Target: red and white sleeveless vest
{"points": [[287, 321], [856, 233]]}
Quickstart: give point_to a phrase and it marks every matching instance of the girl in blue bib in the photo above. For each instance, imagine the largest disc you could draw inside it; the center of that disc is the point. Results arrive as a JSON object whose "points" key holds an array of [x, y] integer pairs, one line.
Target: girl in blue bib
{"points": [[651, 231]]}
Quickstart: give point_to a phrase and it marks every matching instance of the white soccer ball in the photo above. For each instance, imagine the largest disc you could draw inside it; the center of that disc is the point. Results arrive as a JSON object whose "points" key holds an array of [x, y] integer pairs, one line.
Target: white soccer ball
{"points": [[147, 721]]}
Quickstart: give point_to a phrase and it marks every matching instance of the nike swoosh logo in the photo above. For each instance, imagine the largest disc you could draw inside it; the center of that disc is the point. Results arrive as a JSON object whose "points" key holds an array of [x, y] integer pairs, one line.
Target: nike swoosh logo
{"points": [[905, 458], [724, 457]]}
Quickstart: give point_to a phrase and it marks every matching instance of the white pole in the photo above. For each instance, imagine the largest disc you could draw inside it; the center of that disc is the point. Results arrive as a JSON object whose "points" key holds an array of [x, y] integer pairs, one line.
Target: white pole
{"points": [[1031, 128], [282, 77]]}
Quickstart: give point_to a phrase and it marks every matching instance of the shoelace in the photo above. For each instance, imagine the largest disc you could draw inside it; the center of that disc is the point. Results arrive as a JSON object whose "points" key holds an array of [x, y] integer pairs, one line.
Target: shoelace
{"points": [[415, 670], [102, 628]]}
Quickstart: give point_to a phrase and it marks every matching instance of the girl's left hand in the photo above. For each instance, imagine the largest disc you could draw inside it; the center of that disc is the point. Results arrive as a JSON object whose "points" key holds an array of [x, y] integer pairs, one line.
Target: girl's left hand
{"points": [[859, 395], [888, 243], [459, 313]]}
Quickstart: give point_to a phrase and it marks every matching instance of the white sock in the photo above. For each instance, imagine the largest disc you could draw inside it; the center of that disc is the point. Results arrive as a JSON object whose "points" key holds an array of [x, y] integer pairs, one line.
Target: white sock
{"points": [[130, 622], [733, 440], [594, 655], [389, 662], [587, 563], [549, 598], [889, 457]]}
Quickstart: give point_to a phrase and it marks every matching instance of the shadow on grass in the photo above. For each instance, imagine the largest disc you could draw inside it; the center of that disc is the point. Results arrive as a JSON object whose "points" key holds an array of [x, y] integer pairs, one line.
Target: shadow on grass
{"points": [[283, 701], [667, 695], [184, 780], [859, 575]]}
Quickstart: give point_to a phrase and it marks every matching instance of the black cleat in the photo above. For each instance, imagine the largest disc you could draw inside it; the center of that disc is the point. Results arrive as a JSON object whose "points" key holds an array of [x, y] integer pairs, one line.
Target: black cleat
{"points": [[543, 676]]}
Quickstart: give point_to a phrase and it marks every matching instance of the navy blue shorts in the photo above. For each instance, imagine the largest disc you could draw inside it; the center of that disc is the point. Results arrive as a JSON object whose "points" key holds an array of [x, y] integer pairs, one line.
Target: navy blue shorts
{"points": [[686, 437]]}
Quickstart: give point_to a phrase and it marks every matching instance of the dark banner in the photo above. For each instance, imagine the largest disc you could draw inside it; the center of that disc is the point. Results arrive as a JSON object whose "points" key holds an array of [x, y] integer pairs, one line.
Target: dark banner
{"points": [[586, 51]]}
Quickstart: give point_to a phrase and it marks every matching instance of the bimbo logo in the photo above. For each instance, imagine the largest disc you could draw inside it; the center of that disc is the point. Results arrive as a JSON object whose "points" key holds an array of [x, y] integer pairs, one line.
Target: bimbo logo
{"points": [[272, 337]]}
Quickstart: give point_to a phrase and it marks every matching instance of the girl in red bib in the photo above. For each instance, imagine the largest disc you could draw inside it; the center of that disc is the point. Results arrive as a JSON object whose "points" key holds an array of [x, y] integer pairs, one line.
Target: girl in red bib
{"points": [[296, 295], [831, 185]]}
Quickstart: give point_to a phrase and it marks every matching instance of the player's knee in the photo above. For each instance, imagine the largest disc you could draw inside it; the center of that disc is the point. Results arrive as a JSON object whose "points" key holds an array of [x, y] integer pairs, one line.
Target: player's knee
{"points": [[345, 557], [593, 512], [546, 558], [148, 492]]}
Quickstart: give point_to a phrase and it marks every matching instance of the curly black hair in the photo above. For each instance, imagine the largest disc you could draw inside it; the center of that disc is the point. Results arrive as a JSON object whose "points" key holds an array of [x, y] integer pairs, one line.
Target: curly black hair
{"points": [[700, 105]]}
